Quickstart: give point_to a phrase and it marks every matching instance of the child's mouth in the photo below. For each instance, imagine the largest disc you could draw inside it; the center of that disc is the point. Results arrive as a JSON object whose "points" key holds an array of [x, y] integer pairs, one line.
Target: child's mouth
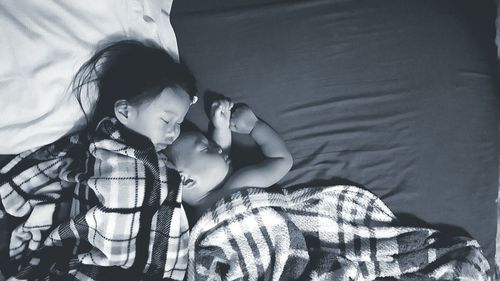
{"points": [[163, 145], [168, 141]]}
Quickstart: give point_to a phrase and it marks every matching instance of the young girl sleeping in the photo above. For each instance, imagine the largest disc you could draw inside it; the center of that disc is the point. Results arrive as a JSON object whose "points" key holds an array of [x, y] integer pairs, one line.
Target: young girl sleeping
{"points": [[205, 167], [109, 179]]}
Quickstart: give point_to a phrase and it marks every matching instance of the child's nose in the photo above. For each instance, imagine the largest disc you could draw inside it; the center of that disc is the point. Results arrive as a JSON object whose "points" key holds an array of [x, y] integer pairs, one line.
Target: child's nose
{"points": [[176, 134], [173, 133]]}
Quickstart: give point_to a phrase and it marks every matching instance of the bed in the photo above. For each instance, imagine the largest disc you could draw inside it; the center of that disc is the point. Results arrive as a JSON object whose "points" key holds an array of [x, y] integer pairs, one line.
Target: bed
{"points": [[398, 97]]}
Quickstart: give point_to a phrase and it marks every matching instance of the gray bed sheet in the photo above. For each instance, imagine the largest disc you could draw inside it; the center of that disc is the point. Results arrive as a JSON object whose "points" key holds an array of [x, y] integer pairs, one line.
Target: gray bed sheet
{"points": [[398, 96]]}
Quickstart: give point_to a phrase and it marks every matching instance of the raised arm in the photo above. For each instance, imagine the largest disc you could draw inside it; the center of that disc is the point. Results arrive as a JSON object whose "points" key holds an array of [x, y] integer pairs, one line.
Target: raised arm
{"points": [[220, 116], [278, 160]]}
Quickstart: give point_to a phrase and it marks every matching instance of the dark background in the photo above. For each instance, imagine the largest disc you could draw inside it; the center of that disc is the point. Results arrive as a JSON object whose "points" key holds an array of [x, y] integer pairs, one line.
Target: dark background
{"points": [[396, 96]]}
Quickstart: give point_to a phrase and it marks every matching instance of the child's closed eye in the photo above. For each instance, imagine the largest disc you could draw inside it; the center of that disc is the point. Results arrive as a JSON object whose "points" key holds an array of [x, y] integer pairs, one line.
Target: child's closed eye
{"points": [[168, 122]]}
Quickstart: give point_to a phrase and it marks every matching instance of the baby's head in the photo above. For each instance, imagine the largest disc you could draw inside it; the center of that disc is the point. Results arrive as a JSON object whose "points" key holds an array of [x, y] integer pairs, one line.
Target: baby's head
{"points": [[142, 86], [157, 117], [201, 163]]}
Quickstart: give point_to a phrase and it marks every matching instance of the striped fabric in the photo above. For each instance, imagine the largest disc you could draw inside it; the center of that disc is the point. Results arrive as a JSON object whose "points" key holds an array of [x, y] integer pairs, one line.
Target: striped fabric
{"points": [[322, 233], [90, 212]]}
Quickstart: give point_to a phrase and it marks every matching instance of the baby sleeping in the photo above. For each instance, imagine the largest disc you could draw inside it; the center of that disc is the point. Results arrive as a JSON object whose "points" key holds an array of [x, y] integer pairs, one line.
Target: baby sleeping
{"points": [[297, 233], [204, 164]]}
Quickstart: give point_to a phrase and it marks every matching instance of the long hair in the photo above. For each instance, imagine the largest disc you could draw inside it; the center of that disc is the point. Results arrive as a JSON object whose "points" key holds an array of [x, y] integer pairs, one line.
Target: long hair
{"points": [[128, 70]]}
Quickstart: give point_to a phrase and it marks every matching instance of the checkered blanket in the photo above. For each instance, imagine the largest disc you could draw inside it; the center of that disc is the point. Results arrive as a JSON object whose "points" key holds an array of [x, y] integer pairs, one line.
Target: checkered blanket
{"points": [[89, 212], [327, 233]]}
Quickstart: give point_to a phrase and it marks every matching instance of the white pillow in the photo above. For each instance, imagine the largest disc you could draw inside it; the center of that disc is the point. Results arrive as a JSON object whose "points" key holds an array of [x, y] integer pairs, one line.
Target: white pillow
{"points": [[42, 46]]}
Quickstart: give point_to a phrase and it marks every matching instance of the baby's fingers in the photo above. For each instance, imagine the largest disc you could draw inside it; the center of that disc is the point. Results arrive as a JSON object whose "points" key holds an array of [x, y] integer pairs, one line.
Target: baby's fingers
{"points": [[214, 105], [227, 108], [216, 110], [225, 103]]}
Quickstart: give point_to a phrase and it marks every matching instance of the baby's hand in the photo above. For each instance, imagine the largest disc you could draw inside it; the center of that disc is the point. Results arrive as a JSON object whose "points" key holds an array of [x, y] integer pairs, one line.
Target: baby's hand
{"points": [[220, 113], [243, 120]]}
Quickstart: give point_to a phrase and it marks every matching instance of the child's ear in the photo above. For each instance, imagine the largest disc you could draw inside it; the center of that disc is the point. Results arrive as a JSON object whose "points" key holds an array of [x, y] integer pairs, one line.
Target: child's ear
{"points": [[187, 182], [122, 111]]}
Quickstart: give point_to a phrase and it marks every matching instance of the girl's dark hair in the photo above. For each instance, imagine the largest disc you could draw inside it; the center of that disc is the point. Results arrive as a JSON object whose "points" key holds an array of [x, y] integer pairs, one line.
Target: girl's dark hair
{"points": [[128, 70]]}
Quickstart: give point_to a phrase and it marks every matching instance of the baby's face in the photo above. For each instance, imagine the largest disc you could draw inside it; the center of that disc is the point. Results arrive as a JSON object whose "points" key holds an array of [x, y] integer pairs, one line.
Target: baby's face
{"points": [[201, 163], [159, 118]]}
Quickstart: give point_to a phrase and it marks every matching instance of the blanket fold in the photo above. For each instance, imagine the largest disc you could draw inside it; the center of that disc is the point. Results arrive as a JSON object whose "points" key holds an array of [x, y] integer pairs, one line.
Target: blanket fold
{"points": [[322, 233], [87, 206]]}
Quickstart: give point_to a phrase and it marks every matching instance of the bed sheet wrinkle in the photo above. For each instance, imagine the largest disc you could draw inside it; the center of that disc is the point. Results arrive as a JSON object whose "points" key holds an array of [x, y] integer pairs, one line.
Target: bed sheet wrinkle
{"points": [[339, 101], [247, 8]]}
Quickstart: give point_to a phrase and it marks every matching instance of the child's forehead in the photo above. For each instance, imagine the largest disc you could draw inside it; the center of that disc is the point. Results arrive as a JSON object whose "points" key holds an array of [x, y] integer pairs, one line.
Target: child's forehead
{"points": [[192, 138], [199, 138], [185, 147], [171, 99]]}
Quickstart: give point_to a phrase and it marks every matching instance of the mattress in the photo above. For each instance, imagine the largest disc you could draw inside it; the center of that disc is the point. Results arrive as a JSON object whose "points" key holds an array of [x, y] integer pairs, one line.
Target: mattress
{"points": [[395, 96]]}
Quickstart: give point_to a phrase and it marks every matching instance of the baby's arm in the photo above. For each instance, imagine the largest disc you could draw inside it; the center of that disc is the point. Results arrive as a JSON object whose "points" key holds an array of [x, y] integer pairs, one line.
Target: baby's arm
{"points": [[220, 116], [278, 160]]}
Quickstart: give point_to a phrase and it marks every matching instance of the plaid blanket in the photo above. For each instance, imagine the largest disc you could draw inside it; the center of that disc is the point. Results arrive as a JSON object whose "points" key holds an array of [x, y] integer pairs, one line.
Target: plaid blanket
{"points": [[327, 233], [92, 212]]}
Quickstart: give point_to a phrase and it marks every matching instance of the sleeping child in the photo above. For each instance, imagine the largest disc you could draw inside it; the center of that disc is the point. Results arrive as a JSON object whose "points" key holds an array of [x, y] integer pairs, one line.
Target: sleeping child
{"points": [[101, 202], [205, 167], [335, 232]]}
